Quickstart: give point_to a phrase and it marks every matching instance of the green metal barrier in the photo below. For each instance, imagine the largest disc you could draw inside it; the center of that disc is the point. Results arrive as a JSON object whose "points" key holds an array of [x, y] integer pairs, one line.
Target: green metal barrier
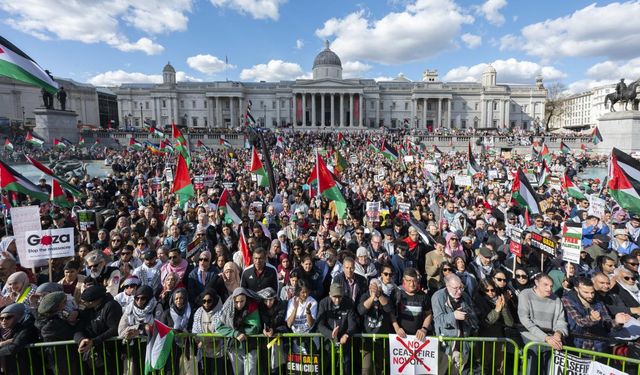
{"points": [[537, 358]]}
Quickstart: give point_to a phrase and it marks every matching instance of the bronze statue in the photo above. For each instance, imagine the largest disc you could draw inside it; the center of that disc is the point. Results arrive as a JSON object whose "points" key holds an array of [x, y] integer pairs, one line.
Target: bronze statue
{"points": [[623, 94], [47, 99], [62, 98]]}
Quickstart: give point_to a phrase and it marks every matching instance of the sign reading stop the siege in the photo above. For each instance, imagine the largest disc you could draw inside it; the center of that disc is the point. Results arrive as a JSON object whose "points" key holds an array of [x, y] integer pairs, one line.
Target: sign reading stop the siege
{"points": [[412, 356]]}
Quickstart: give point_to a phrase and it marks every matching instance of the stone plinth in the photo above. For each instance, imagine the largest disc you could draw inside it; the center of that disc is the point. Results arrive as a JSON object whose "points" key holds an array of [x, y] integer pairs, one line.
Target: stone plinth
{"points": [[53, 123], [620, 130]]}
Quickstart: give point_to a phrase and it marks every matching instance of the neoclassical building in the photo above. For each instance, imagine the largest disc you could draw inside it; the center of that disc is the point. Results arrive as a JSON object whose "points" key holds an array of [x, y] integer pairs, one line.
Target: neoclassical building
{"points": [[327, 101]]}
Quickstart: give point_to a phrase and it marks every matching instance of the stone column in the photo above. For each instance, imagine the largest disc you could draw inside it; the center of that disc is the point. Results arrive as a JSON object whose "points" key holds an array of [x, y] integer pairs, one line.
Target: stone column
{"points": [[218, 122], [350, 109], [341, 110], [490, 116], [439, 112], [231, 112], [313, 109], [507, 114], [304, 109], [361, 105], [377, 124], [483, 108], [322, 108], [210, 114], [333, 110], [295, 109], [412, 121], [449, 113], [424, 112], [277, 111]]}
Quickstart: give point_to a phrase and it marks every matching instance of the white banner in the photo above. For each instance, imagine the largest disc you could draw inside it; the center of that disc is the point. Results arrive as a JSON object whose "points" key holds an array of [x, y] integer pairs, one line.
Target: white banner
{"points": [[49, 243], [462, 180], [411, 356], [597, 368], [572, 243], [596, 206], [25, 219], [568, 364]]}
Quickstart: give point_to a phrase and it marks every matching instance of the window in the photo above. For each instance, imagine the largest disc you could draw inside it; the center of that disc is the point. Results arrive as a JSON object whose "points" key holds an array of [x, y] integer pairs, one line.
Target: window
{"points": [[273, 104], [463, 124], [135, 105], [428, 106], [453, 124], [193, 104], [371, 104], [406, 106], [194, 121], [164, 103], [146, 105], [381, 105], [475, 123], [137, 121], [182, 104], [476, 106], [204, 104], [495, 123], [206, 123], [495, 106]]}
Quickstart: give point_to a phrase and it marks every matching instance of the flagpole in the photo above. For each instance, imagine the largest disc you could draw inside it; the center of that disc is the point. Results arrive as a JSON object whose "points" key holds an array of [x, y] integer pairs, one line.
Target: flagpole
{"points": [[317, 171]]}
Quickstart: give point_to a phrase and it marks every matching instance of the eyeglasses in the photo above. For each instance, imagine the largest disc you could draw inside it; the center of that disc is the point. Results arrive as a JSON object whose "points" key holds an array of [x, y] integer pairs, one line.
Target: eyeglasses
{"points": [[521, 276], [140, 298], [446, 269], [630, 278], [6, 317], [123, 254], [387, 273], [173, 257], [207, 301], [490, 290], [500, 279], [92, 266], [632, 264], [116, 240], [204, 259], [359, 233]]}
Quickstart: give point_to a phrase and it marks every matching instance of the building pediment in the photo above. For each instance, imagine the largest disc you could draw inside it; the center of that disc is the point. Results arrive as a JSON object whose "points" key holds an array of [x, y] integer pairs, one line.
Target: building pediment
{"points": [[325, 83]]}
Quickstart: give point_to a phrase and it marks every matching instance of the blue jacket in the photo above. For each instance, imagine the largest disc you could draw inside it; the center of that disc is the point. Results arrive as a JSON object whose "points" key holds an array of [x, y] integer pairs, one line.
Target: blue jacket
{"points": [[588, 233]]}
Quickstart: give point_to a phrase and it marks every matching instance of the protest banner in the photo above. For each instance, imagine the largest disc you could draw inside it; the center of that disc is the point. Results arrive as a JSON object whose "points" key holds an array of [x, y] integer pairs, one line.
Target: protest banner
{"points": [[515, 246], [404, 207], [25, 219], [568, 364], [87, 219], [303, 364], [597, 368], [156, 183], [408, 159], [462, 180], [49, 243], [198, 182], [547, 245], [168, 175], [289, 168], [572, 243], [373, 211], [353, 159], [411, 356], [597, 206], [228, 185]]}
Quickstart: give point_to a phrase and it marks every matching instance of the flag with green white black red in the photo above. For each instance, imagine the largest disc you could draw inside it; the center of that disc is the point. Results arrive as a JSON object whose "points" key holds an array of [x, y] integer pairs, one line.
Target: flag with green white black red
{"points": [[10, 180], [473, 168], [155, 132], [624, 180], [328, 187], [201, 146], [596, 137], [372, 147], [134, 144], [545, 174], [35, 141], [341, 141], [523, 193], [225, 142], [159, 348], [81, 141], [182, 185], [388, 151], [165, 146], [256, 168], [17, 65], [545, 154], [340, 163], [58, 196], [564, 148], [437, 151], [46, 170], [571, 189], [224, 204], [8, 146], [181, 144], [59, 144]]}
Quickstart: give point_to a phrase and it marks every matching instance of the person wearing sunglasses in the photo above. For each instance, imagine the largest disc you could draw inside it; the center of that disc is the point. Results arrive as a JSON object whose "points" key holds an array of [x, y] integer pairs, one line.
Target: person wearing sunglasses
{"points": [[18, 331], [627, 288], [630, 262], [200, 277], [98, 273], [212, 349], [175, 265]]}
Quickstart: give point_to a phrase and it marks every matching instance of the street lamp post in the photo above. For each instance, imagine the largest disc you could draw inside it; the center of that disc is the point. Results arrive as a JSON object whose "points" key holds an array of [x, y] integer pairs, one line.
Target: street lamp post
{"points": [[130, 125], [264, 117], [23, 120], [141, 118]]}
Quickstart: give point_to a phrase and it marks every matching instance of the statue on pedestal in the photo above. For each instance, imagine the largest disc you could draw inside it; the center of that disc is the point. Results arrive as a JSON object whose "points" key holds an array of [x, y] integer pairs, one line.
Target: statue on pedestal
{"points": [[47, 99], [624, 94], [62, 98]]}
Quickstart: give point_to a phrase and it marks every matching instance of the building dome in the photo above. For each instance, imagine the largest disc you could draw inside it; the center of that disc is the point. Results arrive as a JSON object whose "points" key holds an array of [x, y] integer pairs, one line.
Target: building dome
{"points": [[327, 57], [490, 70], [168, 68]]}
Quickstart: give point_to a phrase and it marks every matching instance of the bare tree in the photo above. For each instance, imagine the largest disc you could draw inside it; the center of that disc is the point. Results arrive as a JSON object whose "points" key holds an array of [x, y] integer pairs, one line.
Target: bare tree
{"points": [[553, 108]]}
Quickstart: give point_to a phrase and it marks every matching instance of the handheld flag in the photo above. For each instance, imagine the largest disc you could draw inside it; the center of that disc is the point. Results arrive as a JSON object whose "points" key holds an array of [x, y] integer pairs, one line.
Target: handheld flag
{"points": [[182, 185], [58, 197], [11, 180], [155, 132], [472, 165], [224, 142], [244, 249], [341, 140], [140, 194], [18, 65], [328, 188], [257, 169], [624, 180], [44, 169], [133, 144], [230, 215], [158, 348], [280, 143], [545, 154], [202, 146], [81, 141], [181, 144], [37, 142], [249, 120], [545, 173], [571, 189], [524, 194], [388, 151], [596, 137], [8, 146], [564, 148], [340, 163]]}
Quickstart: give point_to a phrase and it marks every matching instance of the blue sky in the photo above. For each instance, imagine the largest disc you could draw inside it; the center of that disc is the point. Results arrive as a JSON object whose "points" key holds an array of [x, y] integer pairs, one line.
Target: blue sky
{"points": [[108, 42]]}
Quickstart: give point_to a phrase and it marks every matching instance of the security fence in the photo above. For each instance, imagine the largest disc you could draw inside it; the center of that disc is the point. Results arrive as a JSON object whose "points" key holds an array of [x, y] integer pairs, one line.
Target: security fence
{"points": [[314, 354]]}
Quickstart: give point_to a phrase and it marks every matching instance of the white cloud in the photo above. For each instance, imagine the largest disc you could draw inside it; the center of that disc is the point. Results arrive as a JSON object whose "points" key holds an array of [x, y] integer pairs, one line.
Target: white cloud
{"points": [[471, 40], [98, 21], [383, 79], [610, 31], [118, 77], [511, 71], [584, 85], [490, 10], [299, 44], [354, 69], [208, 64], [273, 71], [611, 70], [258, 9], [423, 29]]}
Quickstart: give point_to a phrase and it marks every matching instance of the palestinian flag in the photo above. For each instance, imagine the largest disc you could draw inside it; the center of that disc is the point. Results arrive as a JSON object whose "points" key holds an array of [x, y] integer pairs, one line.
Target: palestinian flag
{"points": [[59, 144], [201, 146], [535, 155], [133, 144], [182, 185], [372, 147], [472, 165], [624, 180], [58, 196], [401, 150], [230, 215], [10, 180], [328, 188], [545, 154], [81, 141], [165, 146], [545, 174], [247, 144], [257, 168], [44, 169], [140, 197], [8, 146], [341, 141], [571, 189], [312, 181], [155, 132], [244, 249], [224, 142], [17, 65], [280, 142], [583, 147], [524, 194], [596, 137], [436, 150], [340, 163], [249, 120], [158, 348], [181, 144], [564, 148], [388, 151], [37, 142]]}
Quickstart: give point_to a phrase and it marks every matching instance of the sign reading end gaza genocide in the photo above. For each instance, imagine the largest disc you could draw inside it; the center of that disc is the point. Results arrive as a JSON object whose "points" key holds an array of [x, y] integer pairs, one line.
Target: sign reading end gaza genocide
{"points": [[412, 356], [51, 243]]}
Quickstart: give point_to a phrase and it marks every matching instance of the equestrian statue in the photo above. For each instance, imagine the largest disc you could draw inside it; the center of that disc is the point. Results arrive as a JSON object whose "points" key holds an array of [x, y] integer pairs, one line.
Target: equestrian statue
{"points": [[623, 94]]}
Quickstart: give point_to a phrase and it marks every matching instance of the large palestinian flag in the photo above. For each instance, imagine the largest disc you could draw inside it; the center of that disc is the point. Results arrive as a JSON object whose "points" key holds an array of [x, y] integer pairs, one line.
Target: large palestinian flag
{"points": [[230, 215], [181, 144], [58, 196], [158, 348], [388, 151], [571, 189], [564, 148], [182, 185], [33, 140], [11, 180], [624, 180], [18, 65], [524, 194], [472, 166], [545, 173], [596, 137], [328, 188], [257, 169], [244, 249], [46, 170]]}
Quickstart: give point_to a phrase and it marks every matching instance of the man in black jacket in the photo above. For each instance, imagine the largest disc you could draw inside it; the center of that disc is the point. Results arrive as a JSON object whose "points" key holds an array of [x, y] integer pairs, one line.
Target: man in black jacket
{"points": [[260, 275], [376, 309], [353, 285], [337, 322], [97, 323]]}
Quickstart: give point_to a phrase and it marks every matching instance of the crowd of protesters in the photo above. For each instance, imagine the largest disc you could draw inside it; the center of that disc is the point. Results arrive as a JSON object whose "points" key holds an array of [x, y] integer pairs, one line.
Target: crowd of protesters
{"points": [[441, 268]]}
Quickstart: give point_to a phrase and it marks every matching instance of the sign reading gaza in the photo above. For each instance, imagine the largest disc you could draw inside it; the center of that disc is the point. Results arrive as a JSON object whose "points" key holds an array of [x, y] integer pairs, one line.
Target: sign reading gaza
{"points": [[52, 243], [543, 243]]}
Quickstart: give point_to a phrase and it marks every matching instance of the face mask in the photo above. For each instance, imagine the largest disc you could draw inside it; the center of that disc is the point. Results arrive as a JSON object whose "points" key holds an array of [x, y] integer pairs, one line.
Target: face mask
{"points": [[503, 204]]}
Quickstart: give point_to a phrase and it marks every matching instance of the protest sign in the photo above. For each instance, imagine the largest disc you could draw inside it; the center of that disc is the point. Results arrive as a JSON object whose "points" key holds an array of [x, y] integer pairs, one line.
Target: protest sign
{"points": [[568, 364], [168, 175], [597, 206], [408, 159], [25, 219], [597, 368], [373, 211], [87, 219], [515, 246], [198, 182], [404, 207], [353, 159], [411, 356], [572, 243], [303, 364], [228, 185], [462, 180], [49, 243], [156, 183], [289, 168], [492, 174], [547, 245]]}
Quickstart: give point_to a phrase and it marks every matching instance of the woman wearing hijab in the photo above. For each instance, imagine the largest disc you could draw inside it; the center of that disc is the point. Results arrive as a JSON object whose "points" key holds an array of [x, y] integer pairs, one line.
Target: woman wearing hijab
{"points": [[238, 319], [169, 284], [228, 281], [18, 289], [17, 331], [453, 248], [137, 321], [273, 317], [212, 349], [178, 316]]}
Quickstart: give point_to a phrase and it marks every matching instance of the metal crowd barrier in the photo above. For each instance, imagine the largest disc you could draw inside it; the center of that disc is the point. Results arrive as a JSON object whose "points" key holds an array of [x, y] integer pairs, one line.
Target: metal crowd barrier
{"points": [[290, 354]]}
